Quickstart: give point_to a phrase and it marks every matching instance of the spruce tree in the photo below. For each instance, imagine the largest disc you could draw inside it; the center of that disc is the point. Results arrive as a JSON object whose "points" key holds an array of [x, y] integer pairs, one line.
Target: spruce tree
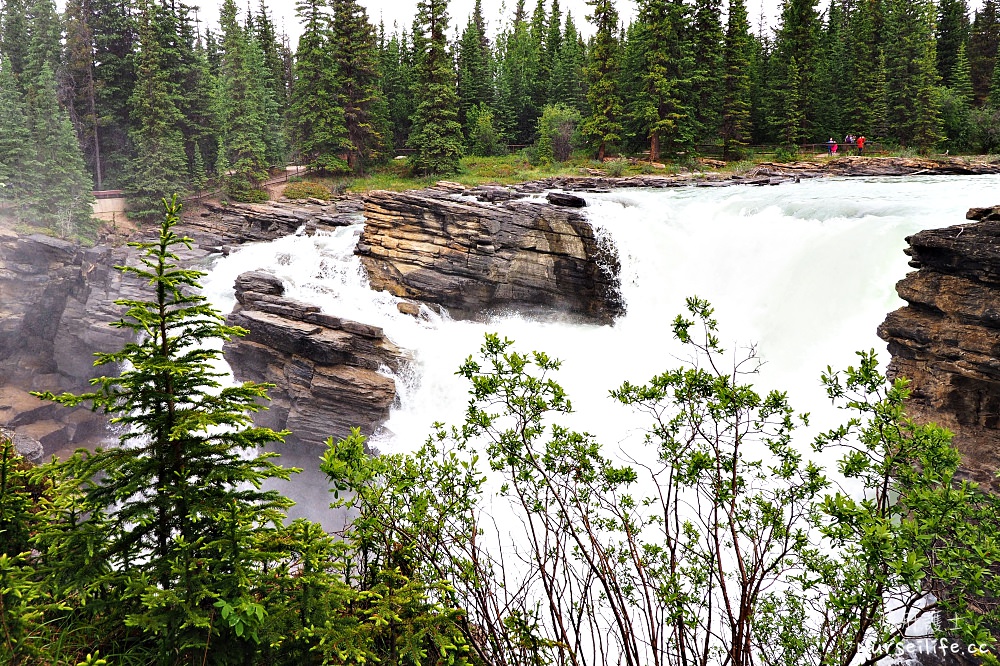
{"points": [[79, 72], [173, 504], [911, 73], [707, 77], [794, 68], [665, 106], [737, 53], [864, 98], [60, 195], [603, 127], [952, 34], [243, 108], [159, 166], [317, 119], [956, 105], [15, 139], [553, 41], [13, 29], [568, 83], [115, 34], [396, 59], [475, 70], [436, 137], [983, 44], [517, 78]]}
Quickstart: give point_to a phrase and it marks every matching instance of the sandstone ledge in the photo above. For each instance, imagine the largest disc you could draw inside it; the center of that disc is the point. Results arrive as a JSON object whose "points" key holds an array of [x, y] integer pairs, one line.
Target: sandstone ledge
{"points": [[472, 257]]}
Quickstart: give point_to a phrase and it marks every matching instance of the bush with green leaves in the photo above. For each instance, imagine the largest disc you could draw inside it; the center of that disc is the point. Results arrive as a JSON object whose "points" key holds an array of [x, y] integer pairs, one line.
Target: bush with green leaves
{"points": [[306, 190], [557, 133], [723, 541], [484, 138]]}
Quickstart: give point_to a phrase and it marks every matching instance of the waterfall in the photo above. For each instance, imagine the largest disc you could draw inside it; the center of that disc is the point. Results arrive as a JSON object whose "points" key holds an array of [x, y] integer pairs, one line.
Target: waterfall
{"points": [[805, 272]]}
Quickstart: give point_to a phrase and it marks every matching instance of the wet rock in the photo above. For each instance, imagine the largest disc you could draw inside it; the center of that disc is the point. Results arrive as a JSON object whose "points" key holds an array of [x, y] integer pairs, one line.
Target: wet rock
{"points": [[564, 199], [474, 257], [27, 447], [947, 338], [325, 368]]}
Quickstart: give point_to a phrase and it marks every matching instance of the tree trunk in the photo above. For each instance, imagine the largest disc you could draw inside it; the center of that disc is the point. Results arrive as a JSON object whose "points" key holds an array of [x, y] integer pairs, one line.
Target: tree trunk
{"points": [[654, 147]]}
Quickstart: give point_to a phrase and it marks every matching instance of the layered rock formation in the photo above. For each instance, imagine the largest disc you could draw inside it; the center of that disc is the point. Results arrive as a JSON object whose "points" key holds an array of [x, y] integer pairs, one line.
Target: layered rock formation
{"points": [[325, 369], [437, 247], [56, 299], [947, 339]]}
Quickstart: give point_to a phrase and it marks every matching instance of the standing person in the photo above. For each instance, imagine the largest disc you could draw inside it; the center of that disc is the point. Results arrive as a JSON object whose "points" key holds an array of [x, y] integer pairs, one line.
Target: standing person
{"points": [[833, 148], [861, 144], [829, 146]]}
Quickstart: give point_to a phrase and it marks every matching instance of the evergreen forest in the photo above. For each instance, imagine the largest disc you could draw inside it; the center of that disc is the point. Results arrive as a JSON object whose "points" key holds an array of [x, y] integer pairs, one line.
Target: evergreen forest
{"points": [[141, 96]]}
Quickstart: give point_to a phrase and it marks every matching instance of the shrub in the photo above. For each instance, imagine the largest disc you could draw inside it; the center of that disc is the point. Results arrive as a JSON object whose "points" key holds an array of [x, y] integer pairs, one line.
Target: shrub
{"points": [[306, 190], [557, 133], [615, 168]]}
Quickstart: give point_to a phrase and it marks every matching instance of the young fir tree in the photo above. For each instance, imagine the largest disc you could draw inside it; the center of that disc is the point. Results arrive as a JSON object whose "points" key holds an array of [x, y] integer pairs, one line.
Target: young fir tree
{"points": [[603, 127], [160, 165], [518, 72], [553, 40], [436, 137], [317, 119], [864, 98], [911, 73], [13, 28], [665, 105], [737, 53], [355, 56], [538, 32], [952, 34], [176, 501], [956, 105]]}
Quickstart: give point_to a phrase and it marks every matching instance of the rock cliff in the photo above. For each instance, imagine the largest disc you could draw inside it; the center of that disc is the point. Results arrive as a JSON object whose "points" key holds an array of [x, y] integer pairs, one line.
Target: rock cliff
{"points": [[947, 338], [473, 257], [56, 299], [325, 369]]}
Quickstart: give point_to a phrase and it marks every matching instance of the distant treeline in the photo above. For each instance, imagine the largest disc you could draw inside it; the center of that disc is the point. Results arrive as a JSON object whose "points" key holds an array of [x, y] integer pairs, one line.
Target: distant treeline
{"points": [[137, 95]]}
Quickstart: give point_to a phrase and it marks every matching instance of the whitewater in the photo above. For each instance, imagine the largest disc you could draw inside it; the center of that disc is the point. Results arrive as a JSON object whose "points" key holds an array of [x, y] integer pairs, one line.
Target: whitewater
{"points": [[804, 272]]}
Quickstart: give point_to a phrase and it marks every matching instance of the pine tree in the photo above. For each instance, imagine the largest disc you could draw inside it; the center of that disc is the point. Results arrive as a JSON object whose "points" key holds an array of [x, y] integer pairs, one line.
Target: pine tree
{"points": [[911, 73], [568, 85], [956, 105], [160, 165], [707, 76], [603, 127], [517, 77], [60, 195], [79, 72], [13, 29], [183, 484], [271, 71], [737, 52], [864, 98], [397, 84], [317, 119], [436, 136], [15, 139], [952, 33], [553, 41], [115, 34], [475, 70], [983, 44], [243, 109], [833, 75], [794, 67], [665, 105], [355, 57]]}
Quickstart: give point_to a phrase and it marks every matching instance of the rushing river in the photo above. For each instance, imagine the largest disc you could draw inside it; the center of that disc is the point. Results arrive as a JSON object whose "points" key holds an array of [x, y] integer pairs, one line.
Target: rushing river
{"points": [[806, 272]]}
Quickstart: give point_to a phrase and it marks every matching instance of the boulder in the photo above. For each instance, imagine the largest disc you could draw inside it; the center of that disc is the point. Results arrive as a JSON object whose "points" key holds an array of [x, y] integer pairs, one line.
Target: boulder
{"points": [[473, 257], [325, 369], [564, 199], [947, 338]]}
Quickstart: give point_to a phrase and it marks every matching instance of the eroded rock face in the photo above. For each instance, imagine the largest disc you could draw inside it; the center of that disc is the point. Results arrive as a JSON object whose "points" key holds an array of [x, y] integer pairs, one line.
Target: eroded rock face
{"points": [[471, 257], [56, 302], [325, 369], [947, 339]]}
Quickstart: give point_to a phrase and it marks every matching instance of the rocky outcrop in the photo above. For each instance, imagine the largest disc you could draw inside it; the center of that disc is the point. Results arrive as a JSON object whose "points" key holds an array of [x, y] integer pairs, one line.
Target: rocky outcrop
{"points": [[56, 302], [325, 369], [219, 226], [947, 339], [439, 247]]}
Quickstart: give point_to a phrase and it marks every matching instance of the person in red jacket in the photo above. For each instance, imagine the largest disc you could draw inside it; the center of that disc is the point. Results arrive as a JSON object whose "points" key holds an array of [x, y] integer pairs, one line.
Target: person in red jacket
{"points": [[861, 144]]}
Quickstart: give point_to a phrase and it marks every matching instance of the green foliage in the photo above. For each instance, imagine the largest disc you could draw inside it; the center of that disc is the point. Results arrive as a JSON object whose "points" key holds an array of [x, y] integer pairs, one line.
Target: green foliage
{"points": [[603, 127], [306, 190], [436, 136], [557, 133], [484, 140]]}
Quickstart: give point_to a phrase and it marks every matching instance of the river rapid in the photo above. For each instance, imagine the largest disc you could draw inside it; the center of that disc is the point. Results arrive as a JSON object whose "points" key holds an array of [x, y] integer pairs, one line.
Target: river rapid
{"points": [[805, 272]]}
